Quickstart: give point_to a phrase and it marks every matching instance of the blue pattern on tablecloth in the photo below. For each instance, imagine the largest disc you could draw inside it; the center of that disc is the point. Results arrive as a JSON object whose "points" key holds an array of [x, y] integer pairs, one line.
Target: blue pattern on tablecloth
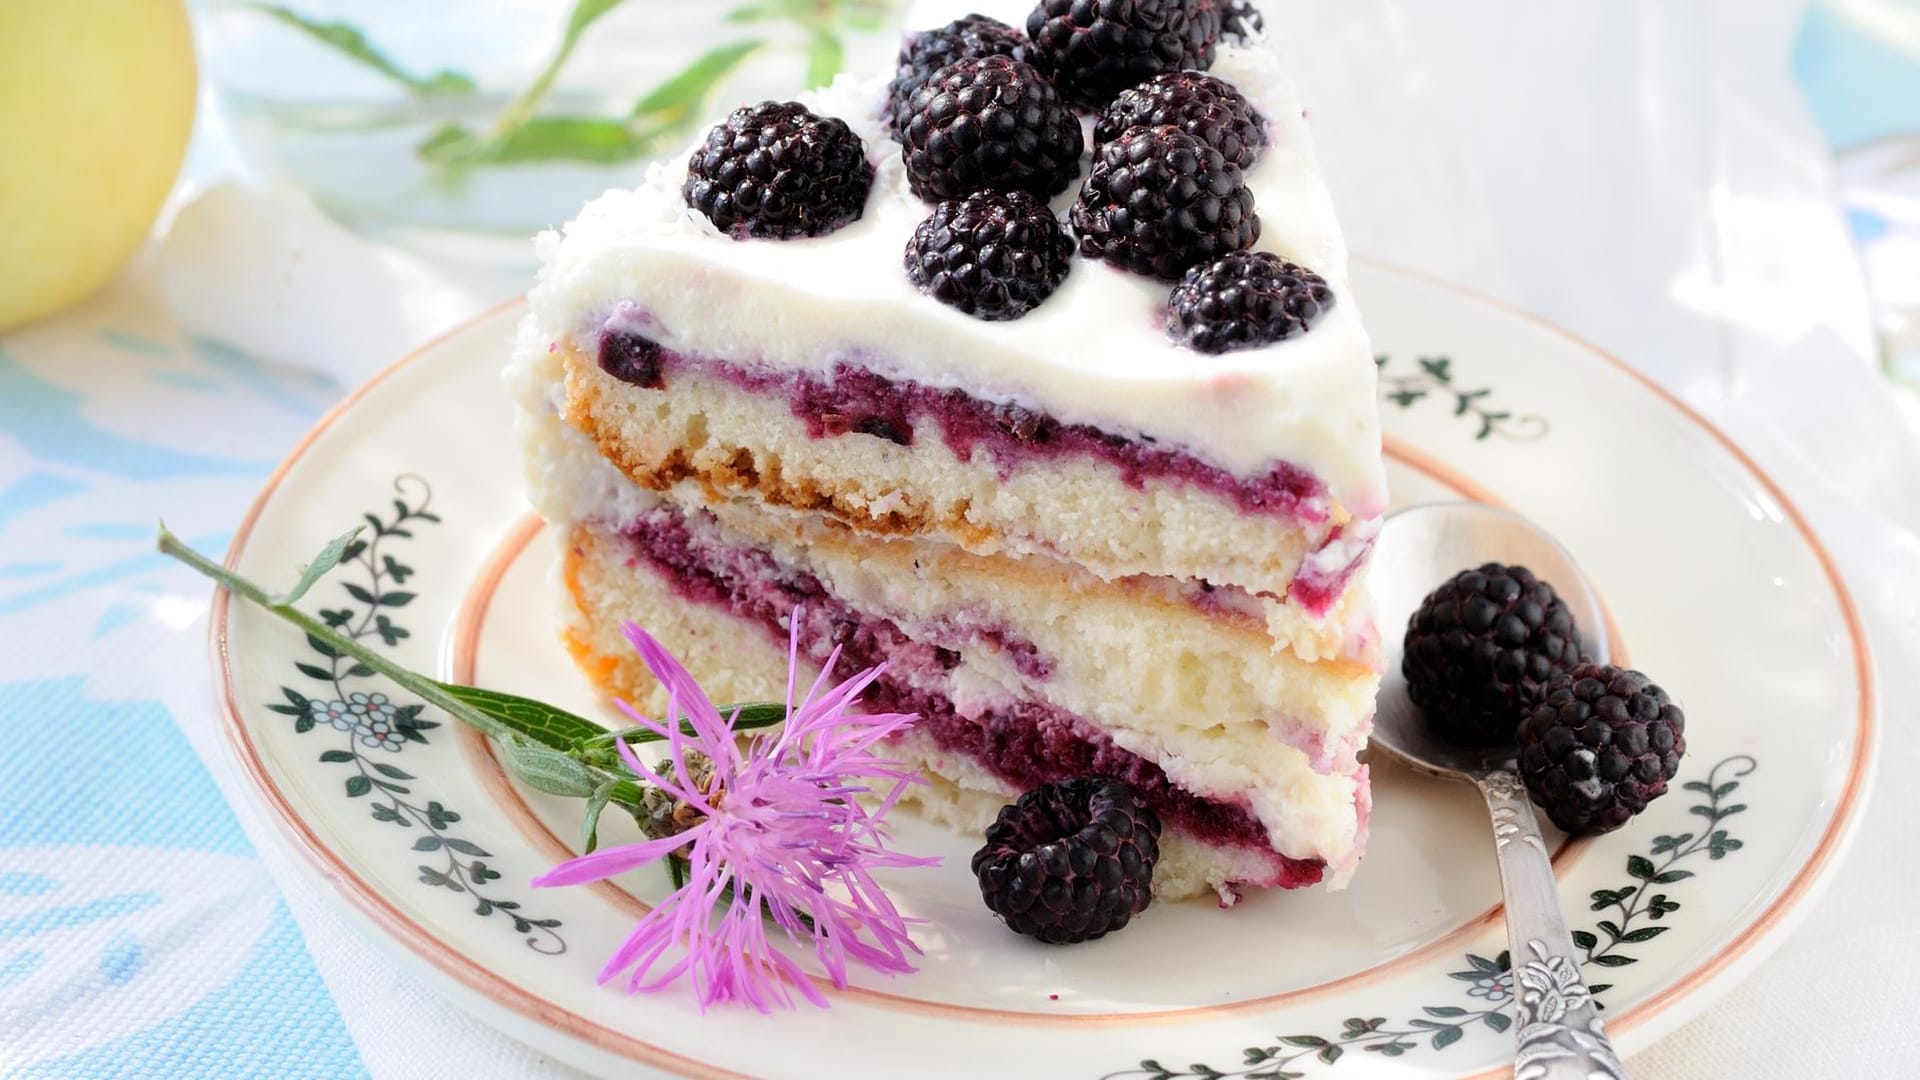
{"points": [[139, 935]]}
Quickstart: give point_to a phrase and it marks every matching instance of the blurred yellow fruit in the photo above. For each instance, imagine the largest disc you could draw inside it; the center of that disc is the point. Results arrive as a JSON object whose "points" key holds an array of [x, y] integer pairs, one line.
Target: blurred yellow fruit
{"points": [[96, 103]]}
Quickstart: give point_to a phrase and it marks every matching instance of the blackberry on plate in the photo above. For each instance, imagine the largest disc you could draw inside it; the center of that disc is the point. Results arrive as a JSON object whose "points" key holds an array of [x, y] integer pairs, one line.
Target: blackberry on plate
{"points": [[1159, 202], [775, 170], [992, 123], [1196, 103], [1071, 860], [1243, 301], [924, 53], [1240, 20], [1094, 49], [1600, 744], [994, 255], [1480, 649]]}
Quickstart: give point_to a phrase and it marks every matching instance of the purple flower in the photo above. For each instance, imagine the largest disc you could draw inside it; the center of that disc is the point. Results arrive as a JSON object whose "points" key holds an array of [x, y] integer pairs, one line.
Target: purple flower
{"points": [[783, 840]]}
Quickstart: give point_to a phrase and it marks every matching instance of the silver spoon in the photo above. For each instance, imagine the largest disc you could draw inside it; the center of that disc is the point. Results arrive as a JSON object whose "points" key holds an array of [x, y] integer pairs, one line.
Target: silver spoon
{"points": [[1558, 1027]]}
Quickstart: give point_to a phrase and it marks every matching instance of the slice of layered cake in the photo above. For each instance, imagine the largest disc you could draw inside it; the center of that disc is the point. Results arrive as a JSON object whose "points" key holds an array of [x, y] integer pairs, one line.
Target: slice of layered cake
{"points": [[1030, 371]]}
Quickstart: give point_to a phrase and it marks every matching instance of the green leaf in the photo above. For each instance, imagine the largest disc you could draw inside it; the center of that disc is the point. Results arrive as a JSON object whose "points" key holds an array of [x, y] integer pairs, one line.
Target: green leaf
{"points": [[396, 599], [320, 567], [678, 100], [1446, 1037], [568, 138], [543, 723], [745, 716], [449, 142], [349, 41], [540, 138], [1497, 1021], [590, 817], [391, 772], [1330, 1054], [302, 725], [467, 848], [427, 843], [320, 646], [584, 13], [358, 786], [825, 57], [1645, 933], [1309, 1042], [1445, 1011], [360, 593], [336, 757], [1670, 876], [1585, 939], [1640, 866], [1610, 928], [1614, 960], [545, 769]]}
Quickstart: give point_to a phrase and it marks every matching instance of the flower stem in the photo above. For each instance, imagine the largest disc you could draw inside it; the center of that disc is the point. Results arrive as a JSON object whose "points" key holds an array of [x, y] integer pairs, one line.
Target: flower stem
{"points": [[427, 689]]}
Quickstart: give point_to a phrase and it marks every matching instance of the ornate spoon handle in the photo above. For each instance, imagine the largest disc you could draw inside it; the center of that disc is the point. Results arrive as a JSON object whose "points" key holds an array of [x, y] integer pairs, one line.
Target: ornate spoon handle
{"points": [[1556, 1023]]}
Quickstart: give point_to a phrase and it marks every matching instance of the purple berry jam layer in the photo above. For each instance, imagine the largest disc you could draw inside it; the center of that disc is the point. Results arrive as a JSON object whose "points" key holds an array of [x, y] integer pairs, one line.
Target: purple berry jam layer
{"points": [[1025, 743], [854, 400]]}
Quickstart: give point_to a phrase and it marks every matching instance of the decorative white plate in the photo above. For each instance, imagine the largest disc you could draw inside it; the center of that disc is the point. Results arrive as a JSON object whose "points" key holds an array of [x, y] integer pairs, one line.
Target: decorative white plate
{"points": [[1718, 588]]}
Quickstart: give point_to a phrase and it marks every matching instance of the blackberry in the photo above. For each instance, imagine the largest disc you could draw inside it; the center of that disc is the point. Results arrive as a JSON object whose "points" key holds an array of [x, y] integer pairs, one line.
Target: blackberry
{"points": [[924, 53], [1243, 301], [631, 359], [994, 255], [1070, 861], [1196, 103], [778, 171], [1159, 201], [1599, 745], [1481, 647], [1240, 20], [1094, 49], [992, 123]]}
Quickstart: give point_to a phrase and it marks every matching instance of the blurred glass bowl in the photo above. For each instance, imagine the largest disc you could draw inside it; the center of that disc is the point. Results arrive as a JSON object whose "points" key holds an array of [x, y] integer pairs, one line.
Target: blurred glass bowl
{"points": [[465, 127]]}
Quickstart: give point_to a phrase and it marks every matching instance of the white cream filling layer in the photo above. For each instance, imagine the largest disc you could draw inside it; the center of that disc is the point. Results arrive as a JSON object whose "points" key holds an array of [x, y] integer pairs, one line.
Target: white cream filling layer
{"points": [[1096, 353]]}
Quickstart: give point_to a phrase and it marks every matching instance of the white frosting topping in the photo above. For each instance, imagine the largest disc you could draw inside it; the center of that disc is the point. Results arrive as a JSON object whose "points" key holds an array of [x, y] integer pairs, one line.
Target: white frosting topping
{"points": [[1095, 353]]}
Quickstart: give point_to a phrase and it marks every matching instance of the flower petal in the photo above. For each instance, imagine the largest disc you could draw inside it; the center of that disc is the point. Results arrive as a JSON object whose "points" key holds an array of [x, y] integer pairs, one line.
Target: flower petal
{"points": [[608, 862], [678, 681]]}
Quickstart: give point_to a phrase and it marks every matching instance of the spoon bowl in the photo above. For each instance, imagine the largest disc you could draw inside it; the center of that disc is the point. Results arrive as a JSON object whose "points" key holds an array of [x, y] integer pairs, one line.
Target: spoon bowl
{"points": [[1419, 548], [1557, 1026]]}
